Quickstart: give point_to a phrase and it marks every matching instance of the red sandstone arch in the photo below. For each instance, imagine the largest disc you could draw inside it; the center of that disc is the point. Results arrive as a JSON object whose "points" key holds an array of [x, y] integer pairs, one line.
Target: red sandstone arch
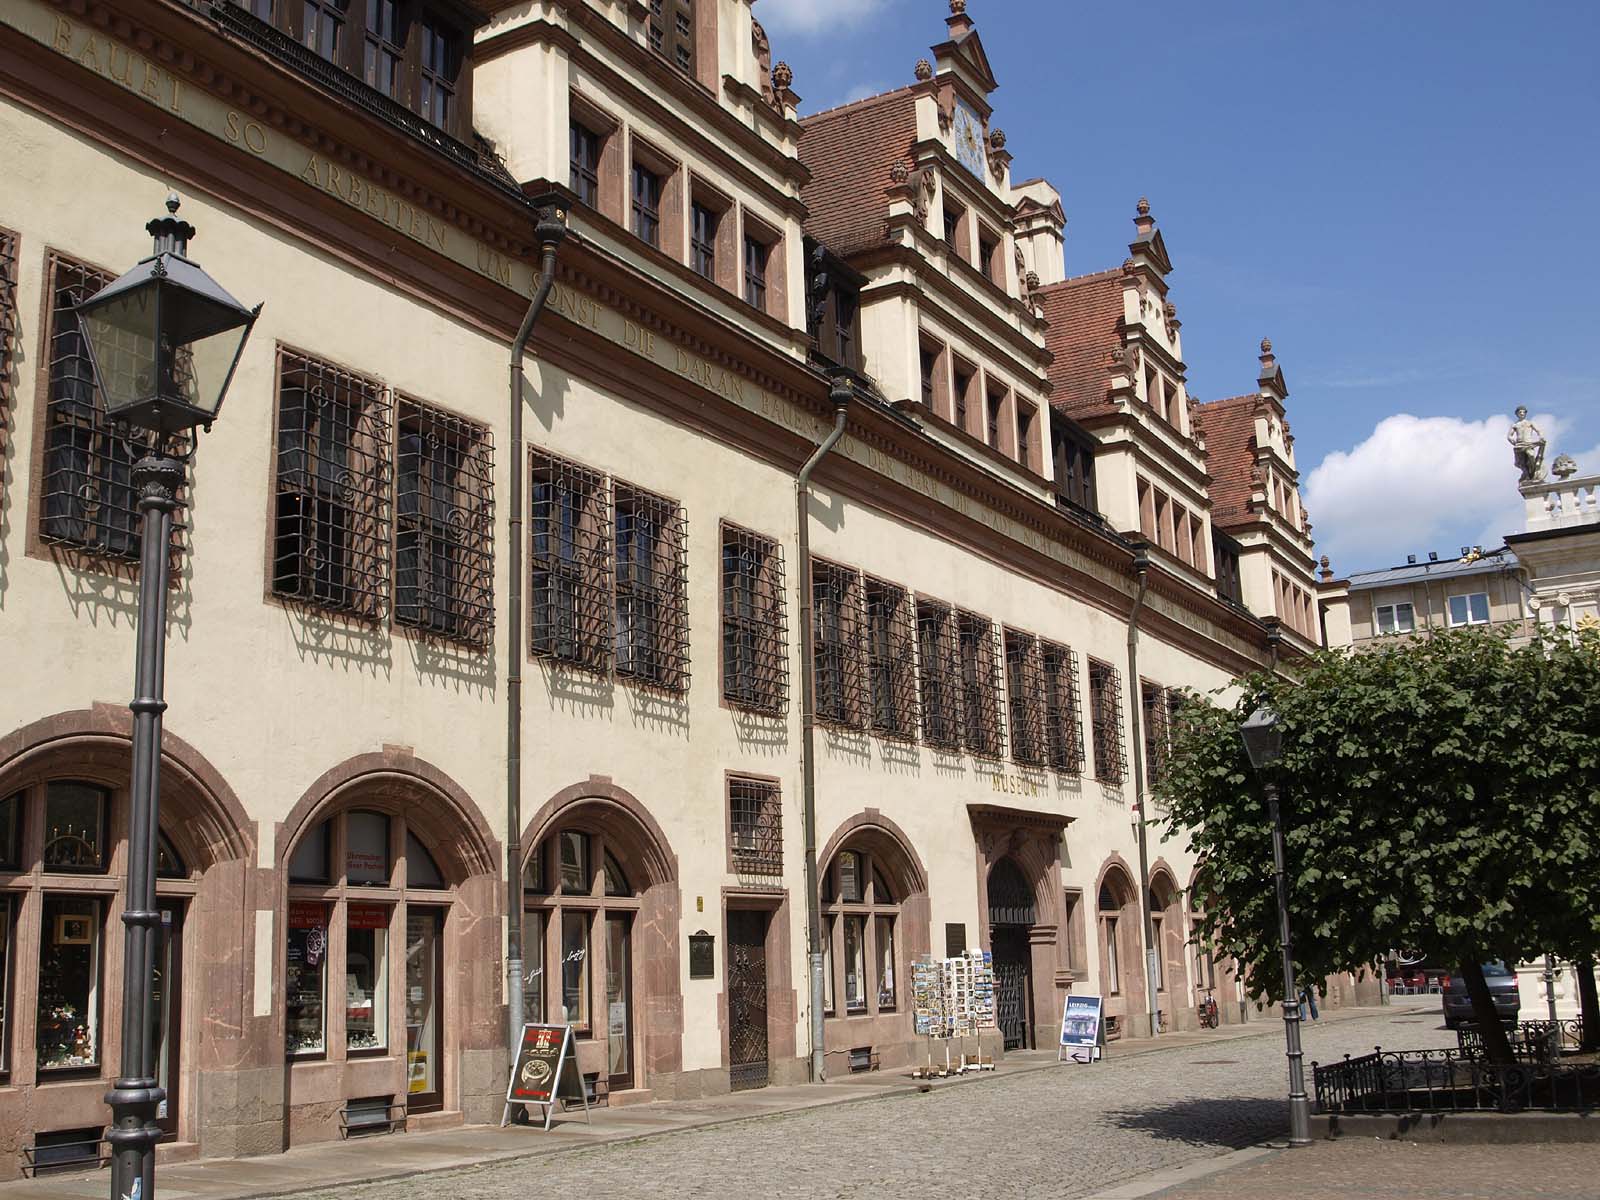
{"points": [[871, 829], [203, 816], [647, 854], [397, 782]]}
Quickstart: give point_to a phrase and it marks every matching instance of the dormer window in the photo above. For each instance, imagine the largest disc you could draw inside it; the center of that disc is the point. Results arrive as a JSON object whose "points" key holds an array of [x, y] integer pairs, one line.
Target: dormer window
{"points": [[671, 32], [385, 51], [323, 27], [441, 61]]}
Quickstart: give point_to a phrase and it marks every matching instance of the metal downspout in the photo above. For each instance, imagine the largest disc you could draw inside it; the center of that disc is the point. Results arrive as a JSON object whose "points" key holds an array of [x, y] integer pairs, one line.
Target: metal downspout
{"points": [[840, 393], [1141, 571], [550, 230]]}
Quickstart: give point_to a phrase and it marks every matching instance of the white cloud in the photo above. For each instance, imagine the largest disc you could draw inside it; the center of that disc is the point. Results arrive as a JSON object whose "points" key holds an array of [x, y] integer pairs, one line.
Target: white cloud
{"points": [[1417, 484], [806, 17]]}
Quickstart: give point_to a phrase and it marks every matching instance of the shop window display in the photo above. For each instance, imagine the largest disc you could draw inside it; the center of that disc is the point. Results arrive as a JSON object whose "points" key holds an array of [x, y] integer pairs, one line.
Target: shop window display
{"points": [[305, 979], [861, 916], [366, 974], [74, 827], [68, 1035]]}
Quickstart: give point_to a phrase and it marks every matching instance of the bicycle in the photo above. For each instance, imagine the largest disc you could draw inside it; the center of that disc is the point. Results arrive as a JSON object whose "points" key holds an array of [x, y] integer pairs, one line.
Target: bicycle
{"points": [[1210, 1017]]}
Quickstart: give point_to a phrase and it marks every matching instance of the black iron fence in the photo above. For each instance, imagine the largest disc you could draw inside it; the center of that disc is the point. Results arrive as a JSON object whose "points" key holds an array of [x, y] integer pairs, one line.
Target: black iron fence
{"points": [[1531, 1041], [1407, 1081]]}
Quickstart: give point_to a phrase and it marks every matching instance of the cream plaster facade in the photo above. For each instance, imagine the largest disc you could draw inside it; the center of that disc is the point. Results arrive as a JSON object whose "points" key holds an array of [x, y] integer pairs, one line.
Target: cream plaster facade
{"points": [[282, 714]]}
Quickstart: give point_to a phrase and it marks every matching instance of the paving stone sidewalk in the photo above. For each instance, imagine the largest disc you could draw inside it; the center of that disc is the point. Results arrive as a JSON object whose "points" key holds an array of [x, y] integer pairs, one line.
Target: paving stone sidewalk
{"points": [[1032, 1129]]}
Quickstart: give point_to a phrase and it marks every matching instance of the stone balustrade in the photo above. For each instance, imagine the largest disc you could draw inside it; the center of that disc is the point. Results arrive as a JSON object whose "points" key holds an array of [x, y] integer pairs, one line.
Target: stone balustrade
{"points": [[1554, 504]]}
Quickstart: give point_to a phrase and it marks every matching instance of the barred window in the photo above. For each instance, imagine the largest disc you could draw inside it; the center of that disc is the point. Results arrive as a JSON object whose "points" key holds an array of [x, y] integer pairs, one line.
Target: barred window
{"points": [[981, 733], [86, 491], [1158, 705], [570, 608], [837, 652], [941, 674], [1062, 727], [1026, 697], [891, 659], [331, 522], [652, 617], [1105, 716], [755, 660], [444, 525], [8, 326], [755, 826]]}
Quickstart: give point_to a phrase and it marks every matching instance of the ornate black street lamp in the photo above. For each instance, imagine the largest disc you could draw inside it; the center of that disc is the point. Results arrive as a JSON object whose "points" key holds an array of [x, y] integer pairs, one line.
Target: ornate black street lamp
{"points": [[1263, 743], [164, 340]]}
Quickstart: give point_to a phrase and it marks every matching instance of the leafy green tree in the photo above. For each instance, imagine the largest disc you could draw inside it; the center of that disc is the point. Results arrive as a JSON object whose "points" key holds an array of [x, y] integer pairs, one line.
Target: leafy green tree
{"points": [[1441, 794]]}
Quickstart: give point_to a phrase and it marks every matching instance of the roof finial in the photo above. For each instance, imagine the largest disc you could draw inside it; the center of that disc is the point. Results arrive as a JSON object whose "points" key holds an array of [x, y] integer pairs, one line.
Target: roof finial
{"points": [[958, 6], [1266, 345], [782, 76], [924, 69], [1144, 206], [173, 202]]}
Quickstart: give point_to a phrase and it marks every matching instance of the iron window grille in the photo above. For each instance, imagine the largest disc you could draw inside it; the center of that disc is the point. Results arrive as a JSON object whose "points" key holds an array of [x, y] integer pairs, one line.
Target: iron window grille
{"points": [[1105, 716], [981, 732], [88, 501], [331, 527], [940, 668], [703, 240], [755, 660], [570, 592], [755, 273], [755, 826], [1026, 697], [652, 572], [1062, 726], [646, 205], [584, 150], [1157, 732], [837, 658], [891, 659], [441, 61], [261, 9], [8, 327], [385, 49], [444, 525]]}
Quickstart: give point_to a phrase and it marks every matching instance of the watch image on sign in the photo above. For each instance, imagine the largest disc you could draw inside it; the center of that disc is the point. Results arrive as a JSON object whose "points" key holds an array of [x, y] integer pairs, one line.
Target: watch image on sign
{"points": [[546, 1070], [1082, 1028]]}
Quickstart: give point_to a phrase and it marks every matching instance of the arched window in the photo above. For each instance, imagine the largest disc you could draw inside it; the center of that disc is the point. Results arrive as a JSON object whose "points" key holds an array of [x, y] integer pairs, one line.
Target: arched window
{"points": [[1114, 891], [366, 908], [59, 842], [860, 927], [579, 908]]}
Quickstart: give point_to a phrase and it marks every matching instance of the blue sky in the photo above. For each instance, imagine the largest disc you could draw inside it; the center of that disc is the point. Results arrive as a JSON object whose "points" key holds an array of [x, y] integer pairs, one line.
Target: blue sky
{"points": [[1404, 197]]}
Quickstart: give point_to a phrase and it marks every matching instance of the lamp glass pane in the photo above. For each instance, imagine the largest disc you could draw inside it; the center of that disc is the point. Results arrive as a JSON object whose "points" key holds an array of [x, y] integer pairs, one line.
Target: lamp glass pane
{"points": [[200, 369], [122, 336]]}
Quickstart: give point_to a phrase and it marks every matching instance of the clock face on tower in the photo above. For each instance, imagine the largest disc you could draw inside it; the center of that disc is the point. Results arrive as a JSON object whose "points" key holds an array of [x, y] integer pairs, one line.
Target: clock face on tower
{"points": [[966, 136]]}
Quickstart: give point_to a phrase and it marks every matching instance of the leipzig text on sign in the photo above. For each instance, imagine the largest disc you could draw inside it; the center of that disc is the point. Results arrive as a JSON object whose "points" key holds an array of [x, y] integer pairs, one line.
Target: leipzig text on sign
{"points": [[546, 1070], [1082, 1028]]}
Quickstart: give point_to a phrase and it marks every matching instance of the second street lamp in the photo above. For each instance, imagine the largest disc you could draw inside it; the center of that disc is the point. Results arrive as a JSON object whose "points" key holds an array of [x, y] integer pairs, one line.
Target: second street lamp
{"points": [[164, 340], [1263, 743]]}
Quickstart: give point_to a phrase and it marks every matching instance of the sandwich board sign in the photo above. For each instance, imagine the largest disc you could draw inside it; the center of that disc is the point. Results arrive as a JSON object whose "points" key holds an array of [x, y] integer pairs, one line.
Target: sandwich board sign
{"points": [[546, 1071], [1083, 1030]]}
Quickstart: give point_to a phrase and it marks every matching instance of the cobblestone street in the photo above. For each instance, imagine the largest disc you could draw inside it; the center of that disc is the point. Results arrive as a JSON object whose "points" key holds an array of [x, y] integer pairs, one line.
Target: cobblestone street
{"points": [[1062, 1132]]}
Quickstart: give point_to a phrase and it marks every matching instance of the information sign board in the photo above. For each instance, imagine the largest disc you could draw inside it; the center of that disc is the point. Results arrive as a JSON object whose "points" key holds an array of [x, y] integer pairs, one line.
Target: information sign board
{"points": [[546, 1071], [1082, 1028]]}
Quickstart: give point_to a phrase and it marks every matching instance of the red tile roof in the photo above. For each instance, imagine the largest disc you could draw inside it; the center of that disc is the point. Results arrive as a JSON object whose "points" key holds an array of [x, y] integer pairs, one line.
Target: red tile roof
{"points": [[849, 151], [1084, 315], [1230, 431]]}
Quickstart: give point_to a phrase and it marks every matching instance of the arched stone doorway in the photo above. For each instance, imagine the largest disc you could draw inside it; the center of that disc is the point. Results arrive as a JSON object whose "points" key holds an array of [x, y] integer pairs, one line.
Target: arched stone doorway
{"points": [[387, 950], [64, 803], [600, 935], [1012, 917], [874, 924]]}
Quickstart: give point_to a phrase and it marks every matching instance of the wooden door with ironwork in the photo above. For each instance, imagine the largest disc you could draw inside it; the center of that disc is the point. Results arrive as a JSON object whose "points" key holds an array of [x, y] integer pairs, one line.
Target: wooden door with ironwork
{"points": [[747, 999]]}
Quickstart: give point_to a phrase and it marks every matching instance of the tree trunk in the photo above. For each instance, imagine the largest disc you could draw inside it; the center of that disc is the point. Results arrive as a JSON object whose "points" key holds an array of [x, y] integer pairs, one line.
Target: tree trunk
{"points": [[1496, 1046], [1590, 1003]]}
